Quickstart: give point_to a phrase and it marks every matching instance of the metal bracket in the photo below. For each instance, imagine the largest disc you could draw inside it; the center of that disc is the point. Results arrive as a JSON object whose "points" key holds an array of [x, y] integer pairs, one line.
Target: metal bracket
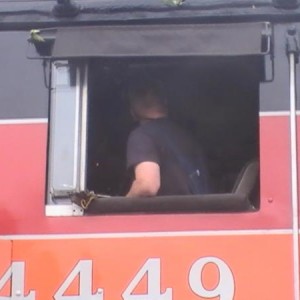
{"points": [[77, 210], [267, 48], [65, 9], [292, 42]]}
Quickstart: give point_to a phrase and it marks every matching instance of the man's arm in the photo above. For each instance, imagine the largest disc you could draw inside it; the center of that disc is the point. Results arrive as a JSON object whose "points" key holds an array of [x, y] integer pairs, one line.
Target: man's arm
{"points": [[147, 180]]}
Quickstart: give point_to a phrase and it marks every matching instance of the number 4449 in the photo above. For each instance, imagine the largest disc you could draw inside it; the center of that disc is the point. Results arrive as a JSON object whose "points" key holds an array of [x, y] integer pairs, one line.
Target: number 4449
{"points": [[224, 288]]}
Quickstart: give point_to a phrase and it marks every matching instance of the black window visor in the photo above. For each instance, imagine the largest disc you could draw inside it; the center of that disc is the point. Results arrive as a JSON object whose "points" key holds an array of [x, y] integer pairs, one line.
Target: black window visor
{"points": [[157, 40]]}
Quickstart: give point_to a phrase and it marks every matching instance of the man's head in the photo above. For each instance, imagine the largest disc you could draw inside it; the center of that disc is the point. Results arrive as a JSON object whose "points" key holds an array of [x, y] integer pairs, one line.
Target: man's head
{"points": [[147, 99]]}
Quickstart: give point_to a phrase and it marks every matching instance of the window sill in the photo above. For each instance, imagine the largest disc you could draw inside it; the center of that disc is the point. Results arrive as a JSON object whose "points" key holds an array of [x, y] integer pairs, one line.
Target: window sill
{"points": [[206, 203], [63, 210]]}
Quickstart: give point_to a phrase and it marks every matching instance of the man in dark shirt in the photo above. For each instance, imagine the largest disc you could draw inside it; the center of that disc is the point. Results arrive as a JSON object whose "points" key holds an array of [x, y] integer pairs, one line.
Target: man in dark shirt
{"points": [[157, 149]]}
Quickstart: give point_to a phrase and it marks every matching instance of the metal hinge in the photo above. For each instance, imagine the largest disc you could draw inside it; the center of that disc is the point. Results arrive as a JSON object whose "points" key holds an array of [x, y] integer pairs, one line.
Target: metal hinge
{"points": [[292, 42]]}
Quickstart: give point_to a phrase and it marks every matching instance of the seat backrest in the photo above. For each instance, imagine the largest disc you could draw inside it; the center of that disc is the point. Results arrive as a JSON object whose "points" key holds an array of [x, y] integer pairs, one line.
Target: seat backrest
{"points": [[247, 181]]}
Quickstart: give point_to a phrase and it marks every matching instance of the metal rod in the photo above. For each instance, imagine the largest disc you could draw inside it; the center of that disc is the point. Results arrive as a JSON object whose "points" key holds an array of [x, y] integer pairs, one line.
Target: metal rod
{"points": [[83, 138], [294, 172]]}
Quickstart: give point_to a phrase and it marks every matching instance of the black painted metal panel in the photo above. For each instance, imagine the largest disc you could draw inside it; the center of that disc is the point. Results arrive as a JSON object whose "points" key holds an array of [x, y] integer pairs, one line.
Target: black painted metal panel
{"points": [[23, 93], [26, 14], [274, 95]]}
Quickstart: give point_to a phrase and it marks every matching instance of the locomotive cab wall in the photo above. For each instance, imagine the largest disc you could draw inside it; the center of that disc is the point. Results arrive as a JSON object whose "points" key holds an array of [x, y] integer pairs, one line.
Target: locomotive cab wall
{"points": [[66, 98]]}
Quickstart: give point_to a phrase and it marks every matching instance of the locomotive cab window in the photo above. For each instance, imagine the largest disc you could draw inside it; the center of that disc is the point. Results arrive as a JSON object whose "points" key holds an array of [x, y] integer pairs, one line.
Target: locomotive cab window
{"points": [[212, 96]]}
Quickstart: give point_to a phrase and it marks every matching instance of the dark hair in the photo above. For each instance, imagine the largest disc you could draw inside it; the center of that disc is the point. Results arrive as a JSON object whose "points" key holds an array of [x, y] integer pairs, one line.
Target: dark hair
{"points": [[141, 86]]}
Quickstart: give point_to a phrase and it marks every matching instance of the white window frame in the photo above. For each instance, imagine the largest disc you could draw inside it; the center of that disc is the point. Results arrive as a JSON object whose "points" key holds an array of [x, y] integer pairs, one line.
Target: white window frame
{"points": [[57, 201]]}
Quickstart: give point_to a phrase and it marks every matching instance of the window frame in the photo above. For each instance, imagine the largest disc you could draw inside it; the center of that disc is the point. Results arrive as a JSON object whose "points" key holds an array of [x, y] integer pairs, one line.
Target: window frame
{"points": [[63, 204], [81, 122], [67, 207]]}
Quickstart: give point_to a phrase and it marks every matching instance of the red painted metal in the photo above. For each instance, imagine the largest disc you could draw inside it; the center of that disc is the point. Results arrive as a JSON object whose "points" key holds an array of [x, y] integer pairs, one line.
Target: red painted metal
{"points": [[23, 181]]}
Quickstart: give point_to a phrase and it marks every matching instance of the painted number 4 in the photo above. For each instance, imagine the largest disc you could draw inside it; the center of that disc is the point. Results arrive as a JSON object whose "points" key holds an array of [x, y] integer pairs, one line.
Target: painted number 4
{"points": [[15, 274], [152, 269], [83, 269]]}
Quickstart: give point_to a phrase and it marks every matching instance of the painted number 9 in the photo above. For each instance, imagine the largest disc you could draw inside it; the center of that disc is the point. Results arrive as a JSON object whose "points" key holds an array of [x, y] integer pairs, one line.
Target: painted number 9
{"points": [[225, 285]]}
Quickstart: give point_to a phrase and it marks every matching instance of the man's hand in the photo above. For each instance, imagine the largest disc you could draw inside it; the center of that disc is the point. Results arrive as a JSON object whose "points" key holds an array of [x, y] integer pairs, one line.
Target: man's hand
{"points": [[147, 180]]}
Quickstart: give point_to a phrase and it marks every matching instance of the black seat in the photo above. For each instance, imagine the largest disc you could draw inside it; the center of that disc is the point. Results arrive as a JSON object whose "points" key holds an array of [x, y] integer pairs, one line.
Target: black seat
{"points": [[247, 182]]}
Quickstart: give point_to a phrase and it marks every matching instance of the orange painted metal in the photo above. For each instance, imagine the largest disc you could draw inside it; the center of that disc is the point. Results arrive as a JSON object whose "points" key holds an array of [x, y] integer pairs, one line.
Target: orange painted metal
{"points": [[5, 261], [261, 264]]}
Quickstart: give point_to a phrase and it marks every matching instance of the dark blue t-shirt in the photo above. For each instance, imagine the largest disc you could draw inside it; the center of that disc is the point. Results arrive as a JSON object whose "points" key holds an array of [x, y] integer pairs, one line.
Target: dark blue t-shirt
{"points": [[161, 141]]}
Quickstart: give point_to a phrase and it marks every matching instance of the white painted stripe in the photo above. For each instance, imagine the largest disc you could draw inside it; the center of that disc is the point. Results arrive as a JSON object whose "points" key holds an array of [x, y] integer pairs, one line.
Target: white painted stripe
{"points": [[23, 121], [150, 234], [274, 113], [45, 120]]}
